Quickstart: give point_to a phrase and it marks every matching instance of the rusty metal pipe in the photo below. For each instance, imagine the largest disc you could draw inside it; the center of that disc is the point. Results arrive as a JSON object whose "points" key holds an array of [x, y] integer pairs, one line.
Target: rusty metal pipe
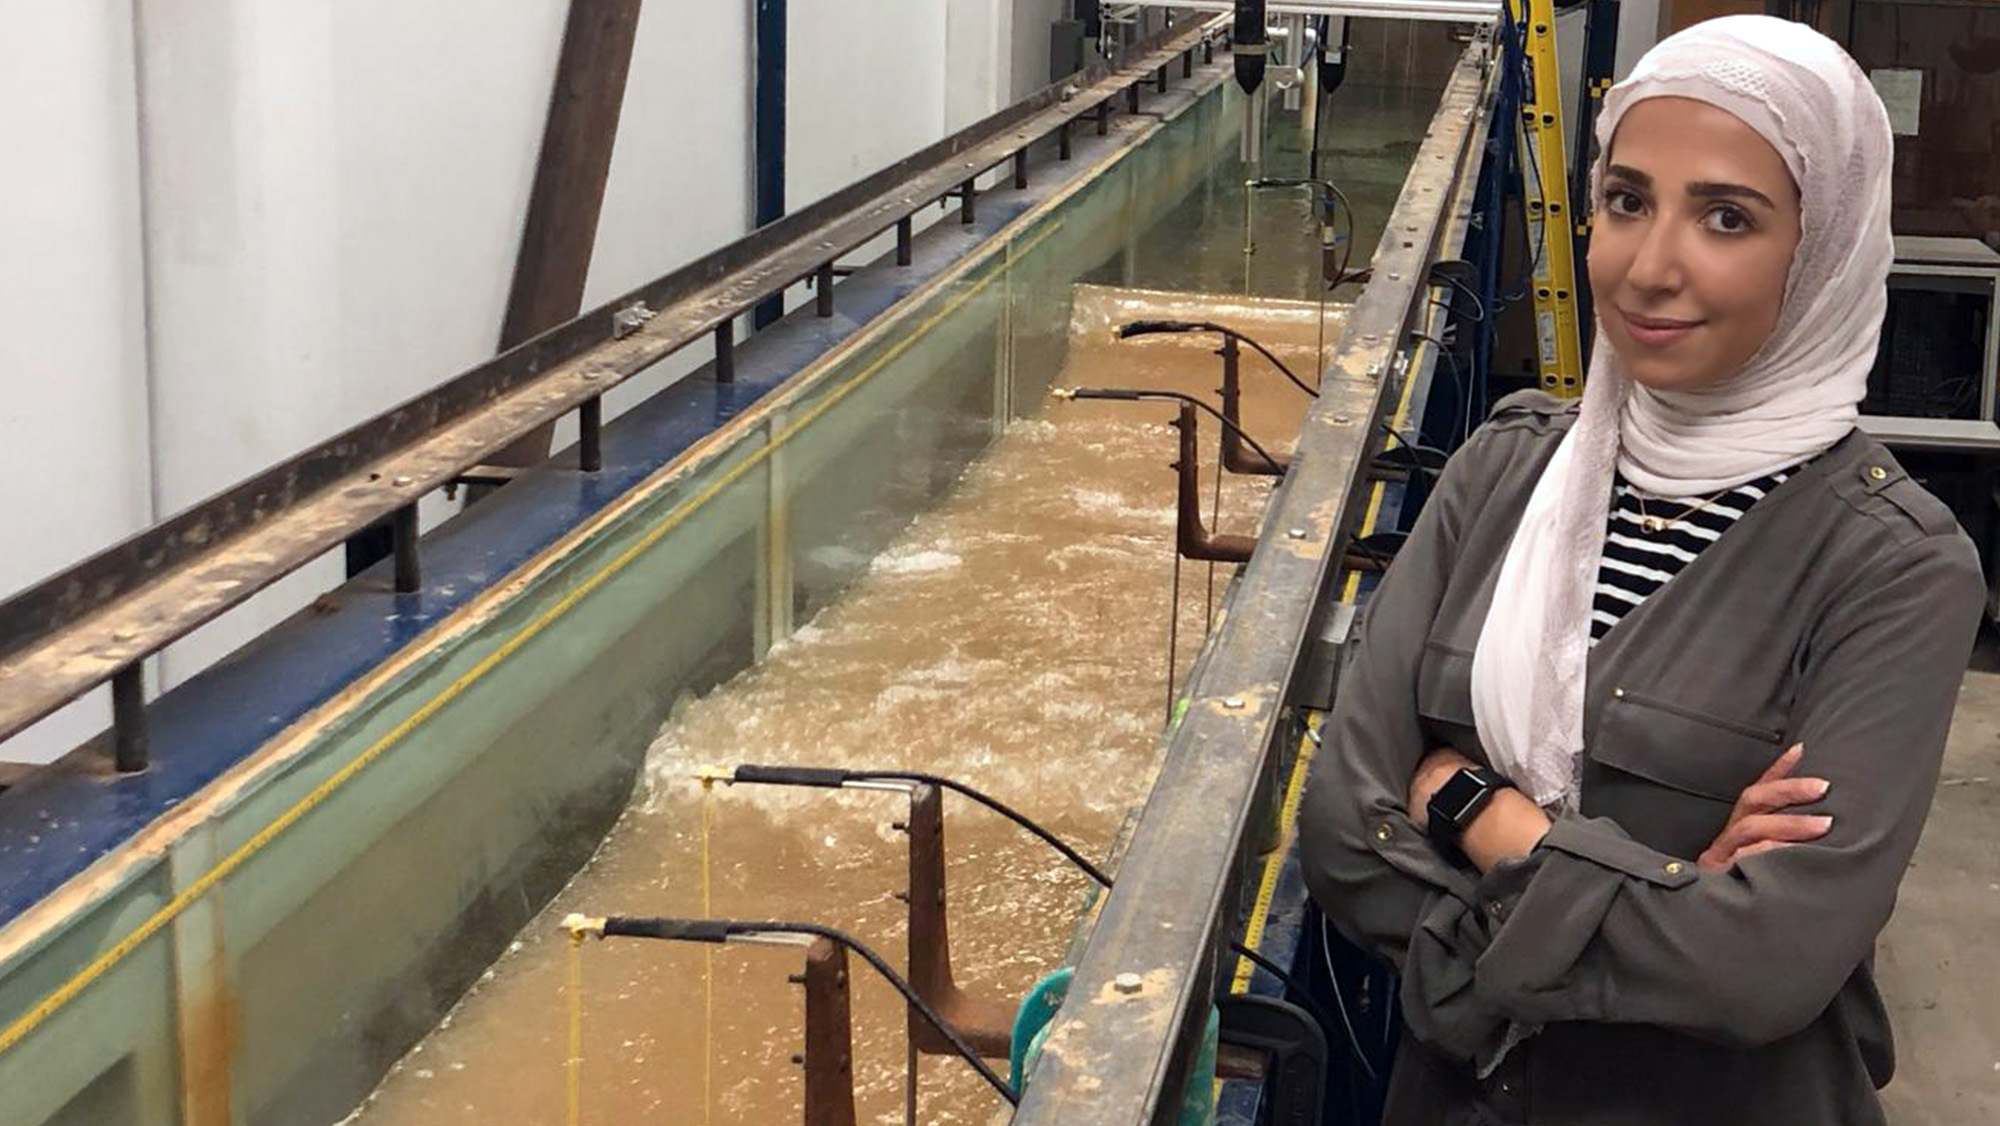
{"points": [[1190, 536], [1234, 457], [983, 1022]]}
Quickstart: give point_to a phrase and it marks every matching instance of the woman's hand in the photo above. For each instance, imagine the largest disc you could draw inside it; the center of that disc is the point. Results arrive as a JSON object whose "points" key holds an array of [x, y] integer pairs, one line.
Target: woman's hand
{"points": [[1756, 825], [1508, 828]]}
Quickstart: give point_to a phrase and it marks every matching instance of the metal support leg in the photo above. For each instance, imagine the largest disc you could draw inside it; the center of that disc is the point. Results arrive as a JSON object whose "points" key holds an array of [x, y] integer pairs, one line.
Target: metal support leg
{"points": [[829, 1054], [409, 568], [1104, 117], [903, 249], [824, 283], [1160, 80], [1062, 141], [1132, 98], [1207, 51], [985, 1022], [590, 434], [133, 747], [725, 351], [967, 194], [1187, 63], [1021, 170]]}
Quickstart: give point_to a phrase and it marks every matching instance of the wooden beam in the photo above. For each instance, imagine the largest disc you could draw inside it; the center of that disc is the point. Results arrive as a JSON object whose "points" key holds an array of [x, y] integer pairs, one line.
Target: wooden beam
{"points": [[575, 163]]}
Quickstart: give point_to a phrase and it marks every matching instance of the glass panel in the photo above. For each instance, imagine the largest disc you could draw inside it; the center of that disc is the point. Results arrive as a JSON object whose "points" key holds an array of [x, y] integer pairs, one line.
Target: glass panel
{"points": [[111, 1056]]}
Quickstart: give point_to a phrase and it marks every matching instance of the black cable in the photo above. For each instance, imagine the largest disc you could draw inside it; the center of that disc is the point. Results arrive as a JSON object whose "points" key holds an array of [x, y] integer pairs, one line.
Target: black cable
{"points": [[1410, 442], [1333, 194], [1458, 380], [719, 930], [835, 777], [1123, 394], [1462, 288], [1308, 1002], [1519, 74], [1333, 980], [997, 806], [1373, 556], [823, 776], [1131, 329]]}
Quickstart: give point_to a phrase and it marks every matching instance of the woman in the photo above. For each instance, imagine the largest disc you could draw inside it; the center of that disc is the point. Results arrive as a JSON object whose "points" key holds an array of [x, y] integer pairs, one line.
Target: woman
{"points": [[1645, 720]]}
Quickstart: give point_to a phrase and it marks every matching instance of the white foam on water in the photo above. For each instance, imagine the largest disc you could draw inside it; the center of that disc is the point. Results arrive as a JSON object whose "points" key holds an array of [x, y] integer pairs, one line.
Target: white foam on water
{"points": [[914, 562]]}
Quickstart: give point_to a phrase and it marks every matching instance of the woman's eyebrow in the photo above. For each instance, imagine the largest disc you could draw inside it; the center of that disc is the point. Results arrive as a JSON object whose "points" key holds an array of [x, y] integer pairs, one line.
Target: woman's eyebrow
{"points": [[1702, 189], [1625, 172]]}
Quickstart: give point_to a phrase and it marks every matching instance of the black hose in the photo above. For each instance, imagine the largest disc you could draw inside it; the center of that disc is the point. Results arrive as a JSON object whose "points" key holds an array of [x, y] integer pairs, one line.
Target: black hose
{"points": [[834, 777], [1125, 394], [702, 930], [999, 807], [1333, 195], [719, 930], [1147, 328]]}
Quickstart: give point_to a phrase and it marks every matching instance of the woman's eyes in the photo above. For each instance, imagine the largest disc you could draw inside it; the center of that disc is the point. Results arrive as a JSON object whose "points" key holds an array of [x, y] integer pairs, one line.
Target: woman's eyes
{"points": [[1727, 220], [1722, 219], [1623, 203]]}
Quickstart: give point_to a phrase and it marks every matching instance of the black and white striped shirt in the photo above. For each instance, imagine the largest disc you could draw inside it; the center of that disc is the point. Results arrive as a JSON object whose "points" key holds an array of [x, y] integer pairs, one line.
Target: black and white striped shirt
{"points": [[1638, 562]]}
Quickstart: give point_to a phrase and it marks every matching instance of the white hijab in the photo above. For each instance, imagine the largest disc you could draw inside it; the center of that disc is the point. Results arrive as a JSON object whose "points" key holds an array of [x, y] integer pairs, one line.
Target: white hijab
{"points": [[1796, 396]]}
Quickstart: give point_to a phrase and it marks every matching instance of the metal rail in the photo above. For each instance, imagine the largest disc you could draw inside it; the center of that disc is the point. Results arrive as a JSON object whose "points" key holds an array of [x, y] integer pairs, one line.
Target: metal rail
{"points": [[96, 621], [1473, 11], [1119, 1049]]}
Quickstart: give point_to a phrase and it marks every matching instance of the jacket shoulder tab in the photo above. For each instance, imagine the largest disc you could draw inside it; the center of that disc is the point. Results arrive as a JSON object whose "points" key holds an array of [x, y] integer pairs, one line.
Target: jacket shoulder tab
{"points": [[1882, 477]]}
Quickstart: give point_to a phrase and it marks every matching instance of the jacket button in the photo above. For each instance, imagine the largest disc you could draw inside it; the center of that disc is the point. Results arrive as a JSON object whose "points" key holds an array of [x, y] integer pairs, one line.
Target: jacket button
{"points": [[1496, 909], [1618, 693], [1674, 867], [1382, 832], [1878, 473]]}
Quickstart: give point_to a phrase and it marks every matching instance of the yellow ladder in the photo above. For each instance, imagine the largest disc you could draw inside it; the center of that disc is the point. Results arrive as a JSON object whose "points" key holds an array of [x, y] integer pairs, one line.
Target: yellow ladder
{"points": [[1545, 190]]}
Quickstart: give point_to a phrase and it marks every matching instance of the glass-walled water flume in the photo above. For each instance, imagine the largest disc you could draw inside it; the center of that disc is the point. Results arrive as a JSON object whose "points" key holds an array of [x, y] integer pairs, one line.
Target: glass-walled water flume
{"points": [[1013, 635], [908, 556]]}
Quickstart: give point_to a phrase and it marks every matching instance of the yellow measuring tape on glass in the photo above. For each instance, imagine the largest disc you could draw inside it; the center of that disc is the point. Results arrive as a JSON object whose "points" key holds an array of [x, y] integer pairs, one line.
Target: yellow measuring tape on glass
{"points": [[1545, 195]]}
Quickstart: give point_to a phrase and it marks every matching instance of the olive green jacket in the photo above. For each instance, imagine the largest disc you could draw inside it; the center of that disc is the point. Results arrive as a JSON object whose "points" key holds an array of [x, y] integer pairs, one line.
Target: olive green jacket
{"points": [[1838, 612]]}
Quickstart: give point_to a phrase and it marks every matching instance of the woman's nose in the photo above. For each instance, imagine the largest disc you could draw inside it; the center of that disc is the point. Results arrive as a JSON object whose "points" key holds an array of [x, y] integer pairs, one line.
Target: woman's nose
{"points": [[1656, 265]]}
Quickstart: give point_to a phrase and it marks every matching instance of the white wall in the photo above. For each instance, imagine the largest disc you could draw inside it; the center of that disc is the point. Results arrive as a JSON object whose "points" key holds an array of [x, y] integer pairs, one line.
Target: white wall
{"points": [[865, 87], [334, 189], [74, 468], [250, 224], [1030, 35]]}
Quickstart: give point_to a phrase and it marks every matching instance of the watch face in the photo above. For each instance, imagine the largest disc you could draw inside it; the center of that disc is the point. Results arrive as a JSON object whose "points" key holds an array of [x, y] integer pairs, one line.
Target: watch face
{"points": [[1460, 796]]}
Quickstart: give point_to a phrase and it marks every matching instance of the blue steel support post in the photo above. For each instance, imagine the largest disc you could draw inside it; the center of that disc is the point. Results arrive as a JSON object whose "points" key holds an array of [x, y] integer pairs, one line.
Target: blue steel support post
{"points": [[769, 144]]}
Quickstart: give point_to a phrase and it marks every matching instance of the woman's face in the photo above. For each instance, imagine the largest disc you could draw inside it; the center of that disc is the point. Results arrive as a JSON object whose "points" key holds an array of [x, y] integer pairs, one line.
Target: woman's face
{"points": [[1696, 224]]}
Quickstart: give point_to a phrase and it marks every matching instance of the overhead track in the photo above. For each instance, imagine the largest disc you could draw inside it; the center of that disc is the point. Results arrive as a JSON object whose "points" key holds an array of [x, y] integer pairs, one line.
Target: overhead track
{"points": [[1457, 11]]}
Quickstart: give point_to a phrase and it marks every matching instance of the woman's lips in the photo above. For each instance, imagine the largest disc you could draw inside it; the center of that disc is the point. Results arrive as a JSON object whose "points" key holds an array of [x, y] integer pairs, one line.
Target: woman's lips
{"points": [[1657, 332]]}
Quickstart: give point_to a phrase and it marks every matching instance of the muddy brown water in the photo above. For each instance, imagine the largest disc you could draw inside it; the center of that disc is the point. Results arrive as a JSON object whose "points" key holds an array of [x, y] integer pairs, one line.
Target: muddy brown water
{"points": [[1015, 638]]}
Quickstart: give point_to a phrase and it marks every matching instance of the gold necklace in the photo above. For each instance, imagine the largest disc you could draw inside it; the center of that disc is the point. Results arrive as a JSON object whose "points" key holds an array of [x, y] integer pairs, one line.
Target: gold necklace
{"points": [[1654, 525]]}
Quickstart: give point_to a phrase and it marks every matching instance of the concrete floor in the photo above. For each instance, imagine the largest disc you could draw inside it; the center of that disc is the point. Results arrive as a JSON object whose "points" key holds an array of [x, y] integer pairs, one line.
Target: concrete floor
{"points": [[1939, 959]]}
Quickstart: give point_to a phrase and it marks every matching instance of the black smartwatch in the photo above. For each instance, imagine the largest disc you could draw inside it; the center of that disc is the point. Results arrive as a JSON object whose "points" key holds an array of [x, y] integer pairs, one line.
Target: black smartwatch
{"points": [[1457, 802]]}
